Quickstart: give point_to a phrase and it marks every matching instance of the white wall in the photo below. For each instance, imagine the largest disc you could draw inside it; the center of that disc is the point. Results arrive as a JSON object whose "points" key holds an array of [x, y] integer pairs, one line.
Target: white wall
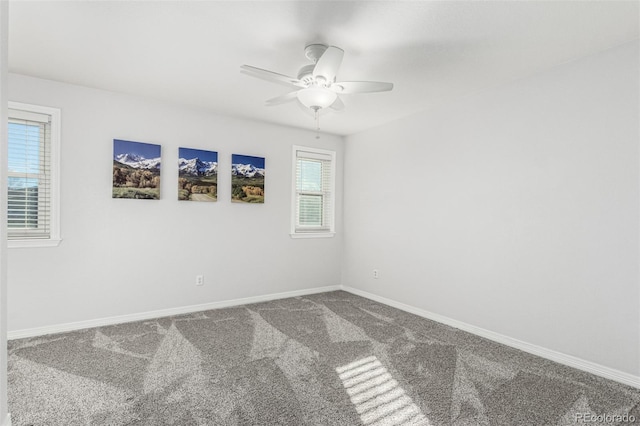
{"points": [[515, 210], [131, 256]]}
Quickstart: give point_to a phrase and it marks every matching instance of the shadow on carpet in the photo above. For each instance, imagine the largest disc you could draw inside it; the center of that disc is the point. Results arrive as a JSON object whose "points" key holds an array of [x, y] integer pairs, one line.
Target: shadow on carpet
{"points": [[326, 359]]}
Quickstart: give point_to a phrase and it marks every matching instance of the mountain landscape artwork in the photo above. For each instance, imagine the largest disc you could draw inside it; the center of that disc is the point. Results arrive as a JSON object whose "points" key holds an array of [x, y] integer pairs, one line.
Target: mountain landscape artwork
{"points": [[247, 179], [197, 175], [136, 170]]}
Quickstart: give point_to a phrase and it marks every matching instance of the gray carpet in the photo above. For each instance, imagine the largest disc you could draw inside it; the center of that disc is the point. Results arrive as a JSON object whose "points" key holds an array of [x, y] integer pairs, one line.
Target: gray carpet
{"points": [[326, 359]]}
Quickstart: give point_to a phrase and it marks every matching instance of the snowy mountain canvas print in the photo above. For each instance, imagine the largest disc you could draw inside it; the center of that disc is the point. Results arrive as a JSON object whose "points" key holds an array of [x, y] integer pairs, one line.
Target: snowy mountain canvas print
{"points": [[247, 179], [197, 175], [136, 170]]}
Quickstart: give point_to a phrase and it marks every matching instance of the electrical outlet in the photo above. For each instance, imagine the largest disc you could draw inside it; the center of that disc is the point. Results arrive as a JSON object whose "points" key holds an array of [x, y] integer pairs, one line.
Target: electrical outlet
{"points": [[376, 274], [199, 279]]}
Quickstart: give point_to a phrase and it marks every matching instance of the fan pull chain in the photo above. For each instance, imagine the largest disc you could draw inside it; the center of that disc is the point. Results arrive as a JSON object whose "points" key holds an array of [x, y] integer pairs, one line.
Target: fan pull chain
{"points": [[317, 123]]}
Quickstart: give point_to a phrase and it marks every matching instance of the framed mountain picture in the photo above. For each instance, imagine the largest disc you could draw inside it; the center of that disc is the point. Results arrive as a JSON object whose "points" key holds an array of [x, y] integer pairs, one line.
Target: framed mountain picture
{"points": [[197, 175], [247, 179], [136, 170]]}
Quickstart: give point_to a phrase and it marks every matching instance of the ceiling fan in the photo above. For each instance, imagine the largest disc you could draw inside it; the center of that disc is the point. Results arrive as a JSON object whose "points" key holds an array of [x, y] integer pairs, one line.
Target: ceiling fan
{"points": [[316, 85]]}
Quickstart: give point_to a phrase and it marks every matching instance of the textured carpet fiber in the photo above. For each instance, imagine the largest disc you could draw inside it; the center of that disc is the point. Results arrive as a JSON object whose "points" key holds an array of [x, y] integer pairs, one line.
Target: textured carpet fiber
{"points": [[326, 359]]}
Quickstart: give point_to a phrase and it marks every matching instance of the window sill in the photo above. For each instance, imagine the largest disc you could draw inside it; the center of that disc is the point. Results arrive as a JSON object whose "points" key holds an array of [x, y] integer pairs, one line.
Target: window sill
{"points": [[51, 242], [313, 235]]}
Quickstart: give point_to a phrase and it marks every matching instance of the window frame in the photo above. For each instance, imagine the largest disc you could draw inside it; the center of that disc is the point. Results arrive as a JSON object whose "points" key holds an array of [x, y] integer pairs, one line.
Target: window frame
{"points": [[54, 178], [328, 196]]}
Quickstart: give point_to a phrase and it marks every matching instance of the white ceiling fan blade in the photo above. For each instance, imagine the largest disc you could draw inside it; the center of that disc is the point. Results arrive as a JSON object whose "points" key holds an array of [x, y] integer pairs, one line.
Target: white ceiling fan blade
{"points": [[328, 64], [270, 76], [337, 105], [361, 87], [282, 99]]}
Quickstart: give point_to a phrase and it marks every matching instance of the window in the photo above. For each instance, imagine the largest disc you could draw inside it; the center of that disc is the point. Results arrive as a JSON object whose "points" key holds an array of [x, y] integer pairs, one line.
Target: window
{"points": [[32, 176], [313, 192]]}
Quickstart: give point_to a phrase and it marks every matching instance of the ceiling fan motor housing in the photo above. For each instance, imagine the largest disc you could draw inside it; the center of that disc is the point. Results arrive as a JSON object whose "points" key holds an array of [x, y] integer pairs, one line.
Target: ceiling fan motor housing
{"points": [[306, 74], [314, 51]]}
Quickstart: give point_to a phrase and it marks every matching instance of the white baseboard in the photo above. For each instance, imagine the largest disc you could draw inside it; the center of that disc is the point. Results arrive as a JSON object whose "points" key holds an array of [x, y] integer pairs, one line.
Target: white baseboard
{"points": [[100, 322], [568, 360]]}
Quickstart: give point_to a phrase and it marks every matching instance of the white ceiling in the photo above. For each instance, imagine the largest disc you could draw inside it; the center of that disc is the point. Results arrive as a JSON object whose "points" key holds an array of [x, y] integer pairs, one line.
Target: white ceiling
{"points": [[190, 52]]}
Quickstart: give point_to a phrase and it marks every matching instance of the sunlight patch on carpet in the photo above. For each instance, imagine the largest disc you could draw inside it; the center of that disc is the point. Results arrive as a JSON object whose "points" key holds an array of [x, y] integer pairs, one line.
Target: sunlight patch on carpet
{"points": [[377, 396]]}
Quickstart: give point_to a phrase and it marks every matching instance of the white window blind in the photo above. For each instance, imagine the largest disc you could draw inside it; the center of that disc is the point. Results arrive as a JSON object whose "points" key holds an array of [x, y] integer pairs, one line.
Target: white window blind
{"points": [[313, 206], [30, 181]]}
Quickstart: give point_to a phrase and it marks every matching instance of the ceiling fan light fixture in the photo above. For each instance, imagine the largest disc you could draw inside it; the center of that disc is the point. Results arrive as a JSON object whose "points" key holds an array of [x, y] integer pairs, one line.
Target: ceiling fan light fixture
{"points": [[316, 97]]}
